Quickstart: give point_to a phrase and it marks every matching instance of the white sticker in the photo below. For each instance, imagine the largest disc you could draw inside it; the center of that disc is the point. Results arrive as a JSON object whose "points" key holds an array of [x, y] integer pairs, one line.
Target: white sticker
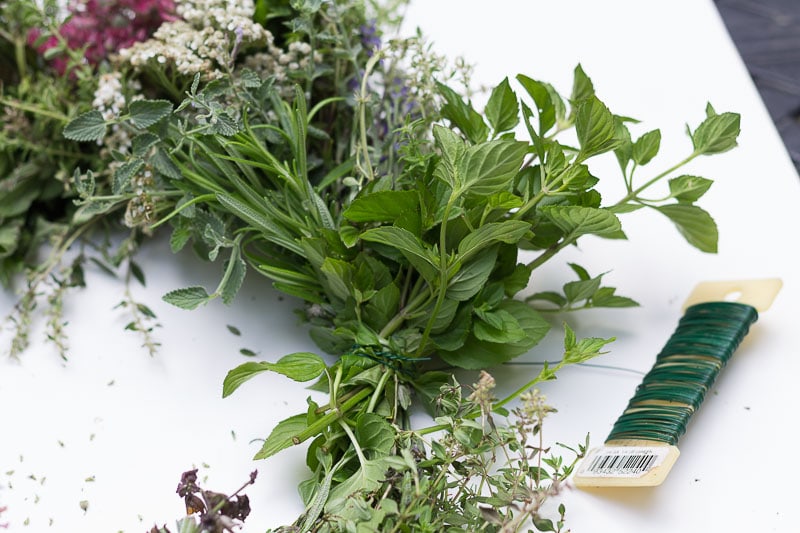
{"points": [[622, 461]]}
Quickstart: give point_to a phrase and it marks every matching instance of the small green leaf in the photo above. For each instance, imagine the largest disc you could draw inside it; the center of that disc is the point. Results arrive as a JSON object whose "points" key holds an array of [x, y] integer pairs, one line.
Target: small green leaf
{"points": [[142, 143], [580, 351], [498, 326], [471, 278], [542, 98], [508, 231], [89, 126], [237, 269], [374, 434], [381, 206], [716, 134], [646, 147], [124, 174], [475, 353], [462, 115], [163, 164], [689, 188], [576, 291], [412, 248], [582, 87], [188, 298], [576, 221], [367, 478], [282, 435], [695, 224], [299, 366], [502, 110], [489, 167], [145, 113], [595, 127]]}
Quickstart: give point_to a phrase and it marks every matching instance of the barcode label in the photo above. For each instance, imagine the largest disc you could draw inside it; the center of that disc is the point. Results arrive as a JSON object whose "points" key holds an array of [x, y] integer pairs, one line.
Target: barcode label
{"points": [[622, 461]]}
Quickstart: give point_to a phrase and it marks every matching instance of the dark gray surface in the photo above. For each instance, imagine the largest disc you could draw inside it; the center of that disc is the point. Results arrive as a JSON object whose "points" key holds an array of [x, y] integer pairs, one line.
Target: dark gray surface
{"points": [[767, 34]]}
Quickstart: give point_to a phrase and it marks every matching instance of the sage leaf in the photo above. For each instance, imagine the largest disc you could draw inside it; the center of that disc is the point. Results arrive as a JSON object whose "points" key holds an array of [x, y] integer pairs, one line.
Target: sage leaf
{"points": [[695, 224], [89, 126], [236, 268], [145, 113], [282, 436], [124, 174], [142, 143], [187, 298], [502, 110]]}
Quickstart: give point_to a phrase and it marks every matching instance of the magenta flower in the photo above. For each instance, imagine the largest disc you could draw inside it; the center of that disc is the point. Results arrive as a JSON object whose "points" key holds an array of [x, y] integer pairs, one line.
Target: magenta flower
{"points": [[107, 26]]}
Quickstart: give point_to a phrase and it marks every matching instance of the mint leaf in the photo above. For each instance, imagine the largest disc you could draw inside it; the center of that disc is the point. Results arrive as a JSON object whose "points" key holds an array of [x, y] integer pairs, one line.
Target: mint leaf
{"points": [[471, 278], [689, 188], [382, 206], [145, 113], [542, 98], [582, 87], [374, 434], [716, 134], [462, 115], [508, 231], [475, 353], [299, 366], [575, 221], [188, 298], [89, 126], [695, 224], [282, 435], [646, 147], [502, 110], [422, 258], [489, 167], [595, 127]]}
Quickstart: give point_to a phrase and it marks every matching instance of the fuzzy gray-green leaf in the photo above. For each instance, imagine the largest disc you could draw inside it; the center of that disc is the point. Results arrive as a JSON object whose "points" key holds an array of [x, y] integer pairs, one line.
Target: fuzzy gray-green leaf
{"points": [[188, 298], [145, 113], [89, 126]]}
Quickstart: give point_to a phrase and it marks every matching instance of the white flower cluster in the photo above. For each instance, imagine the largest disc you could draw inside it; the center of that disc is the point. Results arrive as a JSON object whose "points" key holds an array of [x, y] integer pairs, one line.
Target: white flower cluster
{"points": [[280, 63], [109, 99], [204, 41]]}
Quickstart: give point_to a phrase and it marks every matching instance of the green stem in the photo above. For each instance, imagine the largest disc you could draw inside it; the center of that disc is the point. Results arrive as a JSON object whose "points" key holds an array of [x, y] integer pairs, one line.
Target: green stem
{"points": [[356, 446], [362, 113], [443, 270], [34, 109], [635, 192], [378, 390], [401, 316], [331, 417]]}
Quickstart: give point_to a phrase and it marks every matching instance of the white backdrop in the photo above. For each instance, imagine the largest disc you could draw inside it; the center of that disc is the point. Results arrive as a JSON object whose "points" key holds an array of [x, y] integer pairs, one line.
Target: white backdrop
{"points": [[115, 427]]}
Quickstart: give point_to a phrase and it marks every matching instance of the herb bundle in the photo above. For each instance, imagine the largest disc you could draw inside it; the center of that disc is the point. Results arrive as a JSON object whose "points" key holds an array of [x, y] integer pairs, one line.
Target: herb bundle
{"points": [[350, 170]]}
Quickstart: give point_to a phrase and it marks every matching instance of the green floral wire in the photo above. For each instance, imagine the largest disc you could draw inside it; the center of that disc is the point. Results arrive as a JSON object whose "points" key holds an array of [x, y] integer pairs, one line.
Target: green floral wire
{"points": [[685, 369]]}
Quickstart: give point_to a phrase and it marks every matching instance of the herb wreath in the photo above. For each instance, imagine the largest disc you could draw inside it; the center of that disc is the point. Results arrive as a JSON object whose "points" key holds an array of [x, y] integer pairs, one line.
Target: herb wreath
{"points": [[292, 139]]}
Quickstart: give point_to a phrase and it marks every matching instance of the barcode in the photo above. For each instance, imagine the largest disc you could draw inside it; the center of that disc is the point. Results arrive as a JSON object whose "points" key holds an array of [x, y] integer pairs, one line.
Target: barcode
{"points": [[621, 464]]}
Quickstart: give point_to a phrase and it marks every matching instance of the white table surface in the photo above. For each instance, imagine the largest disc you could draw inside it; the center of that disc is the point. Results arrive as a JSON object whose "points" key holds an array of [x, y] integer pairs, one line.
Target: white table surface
{"points": [[133, 423]]}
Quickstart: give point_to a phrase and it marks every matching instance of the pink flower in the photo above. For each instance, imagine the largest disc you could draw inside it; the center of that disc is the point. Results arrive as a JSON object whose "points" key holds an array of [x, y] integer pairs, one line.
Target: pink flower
{"points": [[107, 26]]}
